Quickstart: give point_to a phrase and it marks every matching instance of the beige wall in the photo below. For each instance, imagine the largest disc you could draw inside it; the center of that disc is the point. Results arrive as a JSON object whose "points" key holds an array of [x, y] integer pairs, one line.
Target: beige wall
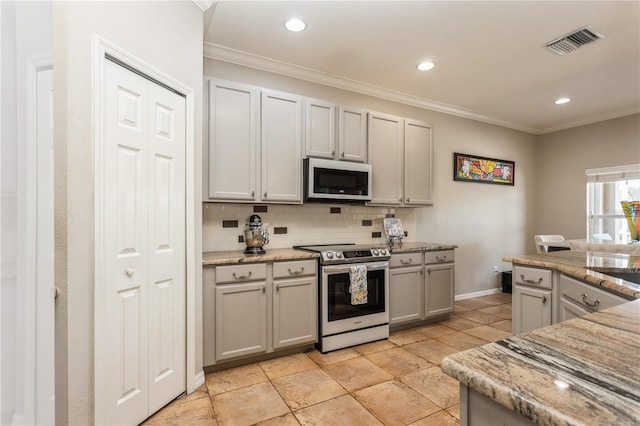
{"points": [[166, 35], [563, 157], [486, 221]]}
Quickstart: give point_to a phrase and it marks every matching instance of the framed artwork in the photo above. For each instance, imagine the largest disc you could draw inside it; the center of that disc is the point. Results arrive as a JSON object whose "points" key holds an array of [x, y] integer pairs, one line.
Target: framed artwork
{"points": [[471, 168]]}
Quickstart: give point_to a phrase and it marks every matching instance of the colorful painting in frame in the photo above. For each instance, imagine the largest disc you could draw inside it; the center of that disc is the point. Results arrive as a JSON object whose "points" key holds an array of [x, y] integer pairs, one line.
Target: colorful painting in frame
{"points": [[471, 168]]}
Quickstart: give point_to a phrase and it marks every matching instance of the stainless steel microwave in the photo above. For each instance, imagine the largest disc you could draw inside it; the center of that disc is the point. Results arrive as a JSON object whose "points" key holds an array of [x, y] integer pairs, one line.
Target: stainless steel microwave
{"points": [[336, 181]]}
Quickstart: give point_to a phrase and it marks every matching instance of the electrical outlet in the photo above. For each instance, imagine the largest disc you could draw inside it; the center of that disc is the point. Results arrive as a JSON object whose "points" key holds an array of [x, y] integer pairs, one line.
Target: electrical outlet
{"points": [[495, 270]]}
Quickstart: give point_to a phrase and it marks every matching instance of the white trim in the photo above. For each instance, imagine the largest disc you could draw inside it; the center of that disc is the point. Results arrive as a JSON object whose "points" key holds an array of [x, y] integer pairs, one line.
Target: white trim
{"points": [[204, 4], [595, 119], [199, 379], [477, 294], [222, 53], [102, 47], [611, 174]]}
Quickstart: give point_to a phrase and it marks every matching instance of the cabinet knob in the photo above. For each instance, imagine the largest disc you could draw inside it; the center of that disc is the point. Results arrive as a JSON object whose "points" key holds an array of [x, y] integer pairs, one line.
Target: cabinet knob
{"points": [[264, 290], [342, 155], [400, 199], [129, 272], [277, 287], [408, 200], [333, 152], [253, 194], [265, 194], [544, 299]]}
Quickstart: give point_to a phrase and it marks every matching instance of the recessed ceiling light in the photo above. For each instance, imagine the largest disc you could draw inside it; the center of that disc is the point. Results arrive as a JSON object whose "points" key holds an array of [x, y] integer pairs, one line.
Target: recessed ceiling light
{"points": [[561, 101], [295, 25], [426, 66]]}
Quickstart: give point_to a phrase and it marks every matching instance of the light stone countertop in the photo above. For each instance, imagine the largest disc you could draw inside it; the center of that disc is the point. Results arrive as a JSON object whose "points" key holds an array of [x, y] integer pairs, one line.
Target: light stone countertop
{"points": [[597, 356], [237, 256], [576, 264], [213, 258]]}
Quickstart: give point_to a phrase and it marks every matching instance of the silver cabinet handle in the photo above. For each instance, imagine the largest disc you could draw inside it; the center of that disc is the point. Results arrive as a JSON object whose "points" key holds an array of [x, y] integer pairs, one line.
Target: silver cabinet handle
{"points": [[586, 302], [241, 277], [265, 194], [544, 299], [264, 289], [428, 271], [253, 194], [408, 200], [333, 152], [400, 199], [441, 259], [296, 272], [342, 155], [277, 287], [406, 263], [531, 281], [129, 272]]}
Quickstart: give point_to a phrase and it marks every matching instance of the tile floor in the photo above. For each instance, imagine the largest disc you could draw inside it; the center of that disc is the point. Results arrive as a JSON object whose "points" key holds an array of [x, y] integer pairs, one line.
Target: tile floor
{"points": [[392, 382]]}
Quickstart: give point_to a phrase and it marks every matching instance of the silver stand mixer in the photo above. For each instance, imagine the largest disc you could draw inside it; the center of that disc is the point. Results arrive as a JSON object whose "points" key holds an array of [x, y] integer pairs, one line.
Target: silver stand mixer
{"points": [[255, 235]]}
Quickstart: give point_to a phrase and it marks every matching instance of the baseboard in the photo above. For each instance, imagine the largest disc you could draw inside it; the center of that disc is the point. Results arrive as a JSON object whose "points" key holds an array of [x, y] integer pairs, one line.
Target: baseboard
{"points": [[477, 294], [198, 380]]}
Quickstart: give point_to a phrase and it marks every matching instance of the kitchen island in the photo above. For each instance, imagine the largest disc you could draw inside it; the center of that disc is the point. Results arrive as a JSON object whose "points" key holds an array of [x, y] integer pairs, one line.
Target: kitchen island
{"points": [[582, 371]]}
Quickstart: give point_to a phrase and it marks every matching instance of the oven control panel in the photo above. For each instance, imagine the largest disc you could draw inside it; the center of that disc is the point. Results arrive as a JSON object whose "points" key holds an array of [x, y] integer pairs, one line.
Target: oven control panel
{"points": [[352, 256]]}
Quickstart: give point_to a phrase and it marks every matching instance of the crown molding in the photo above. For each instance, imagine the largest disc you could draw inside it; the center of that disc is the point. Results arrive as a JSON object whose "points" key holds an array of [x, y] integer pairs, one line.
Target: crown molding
{"points": [[204, 4], [222, 53], [591, 120]]}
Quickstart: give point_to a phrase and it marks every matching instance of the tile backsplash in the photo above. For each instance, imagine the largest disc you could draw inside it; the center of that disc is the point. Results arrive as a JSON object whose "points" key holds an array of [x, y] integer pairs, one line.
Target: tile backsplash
{"points": [[304, 224]]}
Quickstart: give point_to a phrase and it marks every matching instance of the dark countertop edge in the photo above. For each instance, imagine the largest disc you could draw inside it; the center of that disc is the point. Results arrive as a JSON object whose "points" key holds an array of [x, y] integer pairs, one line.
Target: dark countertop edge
{"points": [[597, 279]]}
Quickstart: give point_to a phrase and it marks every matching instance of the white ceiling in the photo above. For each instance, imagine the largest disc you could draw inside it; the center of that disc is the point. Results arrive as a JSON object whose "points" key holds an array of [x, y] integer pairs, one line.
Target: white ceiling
{"points": [[490, 61]]}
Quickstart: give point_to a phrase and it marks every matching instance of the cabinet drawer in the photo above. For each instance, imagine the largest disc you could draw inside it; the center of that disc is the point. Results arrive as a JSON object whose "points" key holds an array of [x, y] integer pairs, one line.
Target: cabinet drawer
{"points": [[241, 273], [532, 277], [405, 259], [439, 256], [587, 296], [297, 268]]}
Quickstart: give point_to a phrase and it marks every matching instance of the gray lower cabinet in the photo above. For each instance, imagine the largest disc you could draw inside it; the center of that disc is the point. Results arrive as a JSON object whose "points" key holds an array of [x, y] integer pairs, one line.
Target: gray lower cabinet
{"points": [[421, 286], [258, 308], [532, 298], [295, 304], [570, 310], [241, 320], [406, 294]]}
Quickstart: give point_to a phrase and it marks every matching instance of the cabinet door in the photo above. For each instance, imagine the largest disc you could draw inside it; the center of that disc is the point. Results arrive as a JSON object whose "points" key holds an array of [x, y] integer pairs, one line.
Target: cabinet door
{"points": [[405, 294], [295, 315], [230, 173], [418, 163], [320, 118], [531, 308], [385, 136], [352, 134], [569, 310], [241, 320], [439, 289], [281, 147]]}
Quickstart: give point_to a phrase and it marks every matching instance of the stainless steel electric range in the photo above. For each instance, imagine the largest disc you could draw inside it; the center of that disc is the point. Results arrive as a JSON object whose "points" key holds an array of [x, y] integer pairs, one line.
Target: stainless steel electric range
{"points": [[341, 322]]}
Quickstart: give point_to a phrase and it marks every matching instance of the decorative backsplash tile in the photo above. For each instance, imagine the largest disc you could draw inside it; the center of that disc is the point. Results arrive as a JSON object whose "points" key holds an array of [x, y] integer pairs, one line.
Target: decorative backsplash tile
{"points": [[305, 224]]}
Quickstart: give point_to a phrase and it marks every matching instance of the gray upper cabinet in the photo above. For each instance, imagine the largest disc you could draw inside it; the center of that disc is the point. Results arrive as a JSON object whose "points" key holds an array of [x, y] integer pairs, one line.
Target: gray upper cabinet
{"points": [[320, 126], [386, 140], [232, 142], [281, 147], [352, 134], [418, 163]]}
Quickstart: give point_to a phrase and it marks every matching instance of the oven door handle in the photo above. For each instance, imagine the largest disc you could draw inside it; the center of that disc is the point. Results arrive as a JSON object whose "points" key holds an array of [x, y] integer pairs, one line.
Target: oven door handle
{"points": [[333, 269]]}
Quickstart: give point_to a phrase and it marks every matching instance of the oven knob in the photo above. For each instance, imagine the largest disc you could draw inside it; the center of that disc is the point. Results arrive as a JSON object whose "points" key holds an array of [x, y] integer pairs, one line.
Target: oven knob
{"points": [[339, 254], [383, 252], [329, 255], [374, 252]]}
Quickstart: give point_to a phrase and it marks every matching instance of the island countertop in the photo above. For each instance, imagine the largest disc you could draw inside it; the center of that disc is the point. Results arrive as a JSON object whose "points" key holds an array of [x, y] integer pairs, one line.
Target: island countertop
{"points": [[589, 267], [582, 371]]}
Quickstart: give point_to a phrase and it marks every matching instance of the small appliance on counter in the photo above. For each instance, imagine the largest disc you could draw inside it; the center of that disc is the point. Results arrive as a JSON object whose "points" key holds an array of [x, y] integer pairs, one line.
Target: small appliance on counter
{"points": [[255, 235]]}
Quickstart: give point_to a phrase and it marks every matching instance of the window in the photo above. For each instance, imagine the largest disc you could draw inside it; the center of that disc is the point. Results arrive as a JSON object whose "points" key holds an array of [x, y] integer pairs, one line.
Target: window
{"points": [[606, 188]]}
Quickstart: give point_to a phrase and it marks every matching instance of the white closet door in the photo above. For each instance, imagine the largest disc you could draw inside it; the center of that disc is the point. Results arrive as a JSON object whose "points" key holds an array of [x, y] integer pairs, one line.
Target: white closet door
{"points": [[167, 275], [144, 367]]}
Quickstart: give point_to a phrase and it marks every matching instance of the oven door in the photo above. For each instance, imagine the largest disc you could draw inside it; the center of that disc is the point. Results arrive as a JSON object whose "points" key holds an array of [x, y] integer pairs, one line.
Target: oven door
{"points": [[338, 314]]}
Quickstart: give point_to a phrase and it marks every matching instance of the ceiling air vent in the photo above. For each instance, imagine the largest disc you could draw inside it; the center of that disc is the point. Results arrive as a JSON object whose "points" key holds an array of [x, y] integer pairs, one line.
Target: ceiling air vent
{"points": [[573, 41]]}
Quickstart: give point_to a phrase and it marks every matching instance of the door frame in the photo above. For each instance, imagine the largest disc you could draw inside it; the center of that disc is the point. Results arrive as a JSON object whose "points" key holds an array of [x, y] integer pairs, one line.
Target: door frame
{"points": [[194, 374]]}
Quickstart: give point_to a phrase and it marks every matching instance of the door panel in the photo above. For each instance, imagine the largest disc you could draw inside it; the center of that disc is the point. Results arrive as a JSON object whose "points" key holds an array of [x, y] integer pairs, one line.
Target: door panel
{"points": [[144, 240]]}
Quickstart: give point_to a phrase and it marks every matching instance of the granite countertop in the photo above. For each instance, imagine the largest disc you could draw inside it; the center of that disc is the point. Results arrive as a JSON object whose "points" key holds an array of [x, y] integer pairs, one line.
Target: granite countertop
{"points": [[409, 247], [577, 263], [582, 371], [237, 256]]}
